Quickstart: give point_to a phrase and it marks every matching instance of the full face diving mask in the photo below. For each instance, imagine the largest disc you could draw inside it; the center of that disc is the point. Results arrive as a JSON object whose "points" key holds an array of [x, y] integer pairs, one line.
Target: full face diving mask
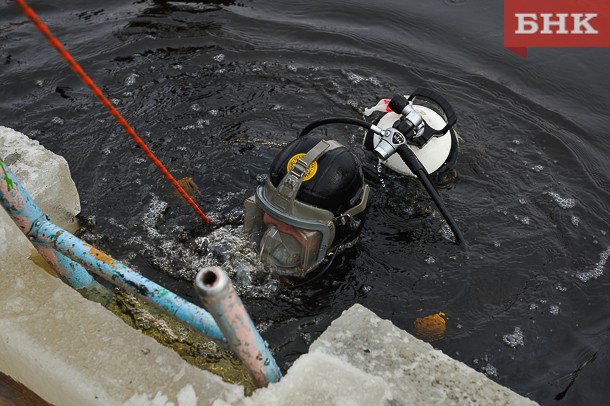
{"points": [[292, 236]]}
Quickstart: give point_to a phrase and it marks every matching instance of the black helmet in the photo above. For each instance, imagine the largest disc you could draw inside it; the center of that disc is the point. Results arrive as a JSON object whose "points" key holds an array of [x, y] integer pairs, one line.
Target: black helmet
{"points": [[336, 181], [312, 204]]}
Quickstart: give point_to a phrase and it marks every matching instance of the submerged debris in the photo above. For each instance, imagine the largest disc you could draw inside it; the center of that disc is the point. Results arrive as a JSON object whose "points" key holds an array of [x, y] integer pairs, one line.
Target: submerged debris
{"points": [[432, 327]]}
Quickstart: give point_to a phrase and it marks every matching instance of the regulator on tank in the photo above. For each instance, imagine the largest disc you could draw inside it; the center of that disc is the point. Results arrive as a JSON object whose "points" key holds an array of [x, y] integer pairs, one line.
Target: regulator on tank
{"points": [[424, 122]]}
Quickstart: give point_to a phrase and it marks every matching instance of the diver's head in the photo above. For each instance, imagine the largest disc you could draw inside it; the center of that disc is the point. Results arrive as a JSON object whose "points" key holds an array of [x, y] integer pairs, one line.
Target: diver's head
{"points": [[312, 205]]}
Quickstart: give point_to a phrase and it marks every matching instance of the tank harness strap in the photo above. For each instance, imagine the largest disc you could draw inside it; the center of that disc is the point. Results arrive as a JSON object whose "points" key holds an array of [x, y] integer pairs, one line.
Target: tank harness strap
{"points": [[290, 185]]}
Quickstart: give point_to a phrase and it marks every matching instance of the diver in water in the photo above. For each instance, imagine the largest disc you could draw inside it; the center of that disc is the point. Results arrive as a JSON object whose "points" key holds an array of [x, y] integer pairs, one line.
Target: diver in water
{"points": [[313, 204]]}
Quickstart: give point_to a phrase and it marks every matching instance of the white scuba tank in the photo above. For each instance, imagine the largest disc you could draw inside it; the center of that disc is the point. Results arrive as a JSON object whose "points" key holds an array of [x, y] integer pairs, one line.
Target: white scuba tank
{"points": [[438, 151]]}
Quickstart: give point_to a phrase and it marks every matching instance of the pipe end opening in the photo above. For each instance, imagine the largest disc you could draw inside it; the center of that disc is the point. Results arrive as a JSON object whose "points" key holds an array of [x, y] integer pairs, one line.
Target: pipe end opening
{"points": [[209, 278]]}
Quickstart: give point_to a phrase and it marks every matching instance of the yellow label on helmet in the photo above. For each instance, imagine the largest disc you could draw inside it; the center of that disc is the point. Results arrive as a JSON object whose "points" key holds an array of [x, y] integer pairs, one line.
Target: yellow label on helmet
{"points": [[309, 173]]}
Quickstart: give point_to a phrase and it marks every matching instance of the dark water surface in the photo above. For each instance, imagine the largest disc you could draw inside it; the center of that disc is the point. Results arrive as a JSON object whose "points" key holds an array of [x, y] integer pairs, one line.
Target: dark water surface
{"points": [[216, 88]]}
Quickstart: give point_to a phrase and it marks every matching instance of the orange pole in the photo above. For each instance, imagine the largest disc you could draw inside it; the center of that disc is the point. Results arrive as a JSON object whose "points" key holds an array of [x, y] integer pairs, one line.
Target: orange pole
{"points": [[29, 12]]}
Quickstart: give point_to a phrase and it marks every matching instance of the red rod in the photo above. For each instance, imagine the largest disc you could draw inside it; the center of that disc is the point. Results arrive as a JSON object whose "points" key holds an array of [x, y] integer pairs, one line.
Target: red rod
{"points": [[85, 78]]}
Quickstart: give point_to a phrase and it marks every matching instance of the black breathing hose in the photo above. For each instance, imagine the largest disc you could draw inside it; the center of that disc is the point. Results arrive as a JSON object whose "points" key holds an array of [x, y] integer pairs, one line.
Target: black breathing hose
{"points": [[410, 159], [335, 120]]}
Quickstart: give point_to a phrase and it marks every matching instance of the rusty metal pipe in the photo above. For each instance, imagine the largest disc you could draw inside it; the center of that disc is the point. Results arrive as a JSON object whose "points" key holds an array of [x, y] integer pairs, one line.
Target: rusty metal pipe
{"points": [[220, 299]]}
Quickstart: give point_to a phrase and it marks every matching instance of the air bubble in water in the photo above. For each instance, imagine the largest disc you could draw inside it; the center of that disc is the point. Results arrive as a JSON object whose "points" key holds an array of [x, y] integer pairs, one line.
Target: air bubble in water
{"points": [[57, 120], [262, 326], [563, 202], [515, 339], [538, 168], [575, 220], [374, 81], [523, 219], [598, 269], [306, 338], [490, 370], [379, 170], [154, 211], [131, 79], [554, 310], [354, 78], [446, 232]]}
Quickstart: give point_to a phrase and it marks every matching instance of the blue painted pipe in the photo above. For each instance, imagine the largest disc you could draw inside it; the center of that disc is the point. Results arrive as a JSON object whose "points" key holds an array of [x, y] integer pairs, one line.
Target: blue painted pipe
{"points": [[219, 297], [69, 271], [16, 201], [118, 274], [25, 212]]}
